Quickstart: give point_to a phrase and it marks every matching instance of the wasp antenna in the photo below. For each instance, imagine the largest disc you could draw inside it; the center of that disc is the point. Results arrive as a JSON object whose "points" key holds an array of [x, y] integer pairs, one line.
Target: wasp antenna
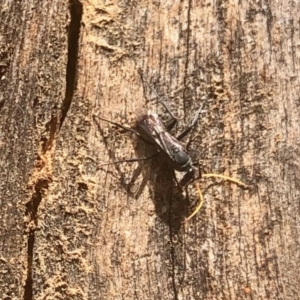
{"points": [[144, 80]]}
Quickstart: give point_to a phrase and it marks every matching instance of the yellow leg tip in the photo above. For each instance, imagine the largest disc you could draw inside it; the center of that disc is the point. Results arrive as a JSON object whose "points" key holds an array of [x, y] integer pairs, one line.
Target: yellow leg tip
{"points": [[234, 180], [198, 207], [201, 196]]}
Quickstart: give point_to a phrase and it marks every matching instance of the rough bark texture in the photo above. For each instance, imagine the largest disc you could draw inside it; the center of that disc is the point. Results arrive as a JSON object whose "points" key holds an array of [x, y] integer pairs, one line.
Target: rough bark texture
{"points": [[70, 229]]}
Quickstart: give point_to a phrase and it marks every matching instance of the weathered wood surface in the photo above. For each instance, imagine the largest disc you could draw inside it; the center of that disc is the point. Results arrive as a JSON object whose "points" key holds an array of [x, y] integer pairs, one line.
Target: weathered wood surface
{"points": [[73, 230]]}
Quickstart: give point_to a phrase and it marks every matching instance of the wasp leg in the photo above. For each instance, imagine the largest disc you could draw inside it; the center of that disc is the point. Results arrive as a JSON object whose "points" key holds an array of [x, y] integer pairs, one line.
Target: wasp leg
{"points": [[234, 180], [116, 124], [131, 159], [174, 119], [196, 118], [171, 125], [198, 206], [121, 126]]}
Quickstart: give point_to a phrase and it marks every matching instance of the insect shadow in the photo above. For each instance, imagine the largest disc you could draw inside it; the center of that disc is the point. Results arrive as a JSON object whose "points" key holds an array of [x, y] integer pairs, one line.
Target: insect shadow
{"points": [[167, 154]]}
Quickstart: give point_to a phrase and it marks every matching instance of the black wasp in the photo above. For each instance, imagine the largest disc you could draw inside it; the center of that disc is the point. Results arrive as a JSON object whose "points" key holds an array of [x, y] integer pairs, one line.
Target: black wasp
{"points": [[151, 130]]}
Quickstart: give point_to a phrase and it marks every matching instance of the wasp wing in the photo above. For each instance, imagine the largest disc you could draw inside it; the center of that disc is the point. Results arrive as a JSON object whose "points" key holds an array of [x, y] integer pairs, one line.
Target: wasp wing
{"points": [[152, 129]]}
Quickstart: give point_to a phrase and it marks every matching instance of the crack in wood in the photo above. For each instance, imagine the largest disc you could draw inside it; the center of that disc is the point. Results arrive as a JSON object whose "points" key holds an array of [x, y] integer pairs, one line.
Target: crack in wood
{"points": [[31, 213], [73, 45]]}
